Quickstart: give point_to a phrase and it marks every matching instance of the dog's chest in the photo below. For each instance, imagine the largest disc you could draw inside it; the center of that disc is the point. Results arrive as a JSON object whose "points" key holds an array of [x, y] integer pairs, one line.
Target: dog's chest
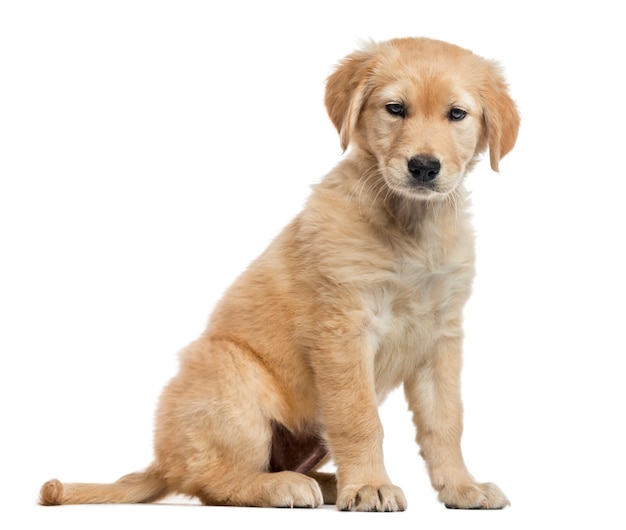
{"points": [[409, 312], [406, 304]]}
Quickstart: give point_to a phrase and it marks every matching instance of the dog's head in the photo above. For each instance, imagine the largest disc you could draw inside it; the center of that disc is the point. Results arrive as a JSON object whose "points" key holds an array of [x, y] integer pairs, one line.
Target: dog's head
{"points": [[425, 109]]}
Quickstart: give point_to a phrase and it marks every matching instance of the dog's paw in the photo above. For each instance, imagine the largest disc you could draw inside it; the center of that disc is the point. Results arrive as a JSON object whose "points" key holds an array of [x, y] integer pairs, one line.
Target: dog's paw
{"points": [[383, 498], [473, 496], [292, 490]]}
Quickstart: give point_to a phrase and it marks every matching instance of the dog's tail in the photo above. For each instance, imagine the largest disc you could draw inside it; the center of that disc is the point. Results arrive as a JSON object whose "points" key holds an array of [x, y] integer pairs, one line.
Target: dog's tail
{"points": [[147, 486]]}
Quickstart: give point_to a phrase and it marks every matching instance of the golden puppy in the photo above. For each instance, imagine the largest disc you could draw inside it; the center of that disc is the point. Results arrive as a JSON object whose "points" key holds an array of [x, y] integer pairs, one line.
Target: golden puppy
{"points": [[361, 293]]}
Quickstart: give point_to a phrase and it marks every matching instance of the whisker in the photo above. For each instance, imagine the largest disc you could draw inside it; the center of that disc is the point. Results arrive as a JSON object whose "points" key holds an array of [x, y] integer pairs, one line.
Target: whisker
{"points": [[362, 189]]}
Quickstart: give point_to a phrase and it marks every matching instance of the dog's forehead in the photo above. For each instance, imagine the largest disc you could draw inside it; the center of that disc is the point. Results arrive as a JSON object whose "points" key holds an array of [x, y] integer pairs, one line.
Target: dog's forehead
{"points": [[427, 69]]}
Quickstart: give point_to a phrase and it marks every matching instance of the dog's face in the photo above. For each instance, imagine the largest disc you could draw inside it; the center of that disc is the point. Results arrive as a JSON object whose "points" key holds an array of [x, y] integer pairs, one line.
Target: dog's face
{"points": [[425, 110]]}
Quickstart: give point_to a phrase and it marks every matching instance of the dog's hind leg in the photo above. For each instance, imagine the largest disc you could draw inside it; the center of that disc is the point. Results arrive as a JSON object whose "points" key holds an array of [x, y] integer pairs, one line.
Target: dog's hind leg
{"points": [[215, 427]]}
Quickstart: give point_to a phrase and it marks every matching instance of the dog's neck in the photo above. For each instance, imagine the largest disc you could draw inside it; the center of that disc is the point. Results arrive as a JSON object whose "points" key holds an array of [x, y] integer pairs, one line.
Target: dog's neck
{"points": [[414, 215]]}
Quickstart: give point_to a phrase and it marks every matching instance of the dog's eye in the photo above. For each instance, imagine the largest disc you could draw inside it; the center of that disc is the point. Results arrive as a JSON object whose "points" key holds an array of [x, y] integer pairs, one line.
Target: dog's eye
{"points": [[457, 114], [396, 109]]}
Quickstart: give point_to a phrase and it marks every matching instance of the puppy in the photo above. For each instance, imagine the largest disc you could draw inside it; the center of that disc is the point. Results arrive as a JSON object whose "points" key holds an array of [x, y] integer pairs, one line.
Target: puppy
{"points": [[362, 292]]}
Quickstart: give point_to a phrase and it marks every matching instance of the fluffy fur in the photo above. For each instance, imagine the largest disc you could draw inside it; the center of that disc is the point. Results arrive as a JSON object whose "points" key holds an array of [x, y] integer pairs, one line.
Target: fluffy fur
{"points": [[362, 292]]}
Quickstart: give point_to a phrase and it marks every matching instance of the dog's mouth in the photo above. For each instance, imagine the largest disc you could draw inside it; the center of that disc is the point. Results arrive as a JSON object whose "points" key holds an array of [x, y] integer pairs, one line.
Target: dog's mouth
{"points": [[419, 187], [411, 188], [419, 192]]}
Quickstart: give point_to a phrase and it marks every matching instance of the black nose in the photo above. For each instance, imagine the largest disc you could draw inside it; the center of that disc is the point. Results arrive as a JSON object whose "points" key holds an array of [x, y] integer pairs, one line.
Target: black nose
{"points": [[424, 168]]}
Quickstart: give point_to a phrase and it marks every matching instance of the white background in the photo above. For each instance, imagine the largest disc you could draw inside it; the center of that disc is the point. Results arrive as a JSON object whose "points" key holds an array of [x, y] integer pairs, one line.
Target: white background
{"points": [[150, 150]]}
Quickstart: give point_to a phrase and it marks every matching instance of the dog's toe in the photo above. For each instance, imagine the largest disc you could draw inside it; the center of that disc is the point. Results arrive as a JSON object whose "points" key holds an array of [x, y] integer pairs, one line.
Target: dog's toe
{"points": [[473, 496], [369, 498]]}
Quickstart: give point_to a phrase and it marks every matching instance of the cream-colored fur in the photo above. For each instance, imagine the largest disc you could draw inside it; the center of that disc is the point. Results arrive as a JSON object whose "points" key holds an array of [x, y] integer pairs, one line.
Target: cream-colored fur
{"points": [[361, 292]]}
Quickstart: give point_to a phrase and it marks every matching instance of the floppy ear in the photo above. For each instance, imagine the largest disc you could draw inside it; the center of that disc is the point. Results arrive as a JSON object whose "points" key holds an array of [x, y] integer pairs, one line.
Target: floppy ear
{"points": [[500, 115], [346, 91]]}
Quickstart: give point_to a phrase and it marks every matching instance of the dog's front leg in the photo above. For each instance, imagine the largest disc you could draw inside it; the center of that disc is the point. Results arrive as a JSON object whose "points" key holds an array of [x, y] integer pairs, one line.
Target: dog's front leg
{"points": [[346, 395], [434, 396]]}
